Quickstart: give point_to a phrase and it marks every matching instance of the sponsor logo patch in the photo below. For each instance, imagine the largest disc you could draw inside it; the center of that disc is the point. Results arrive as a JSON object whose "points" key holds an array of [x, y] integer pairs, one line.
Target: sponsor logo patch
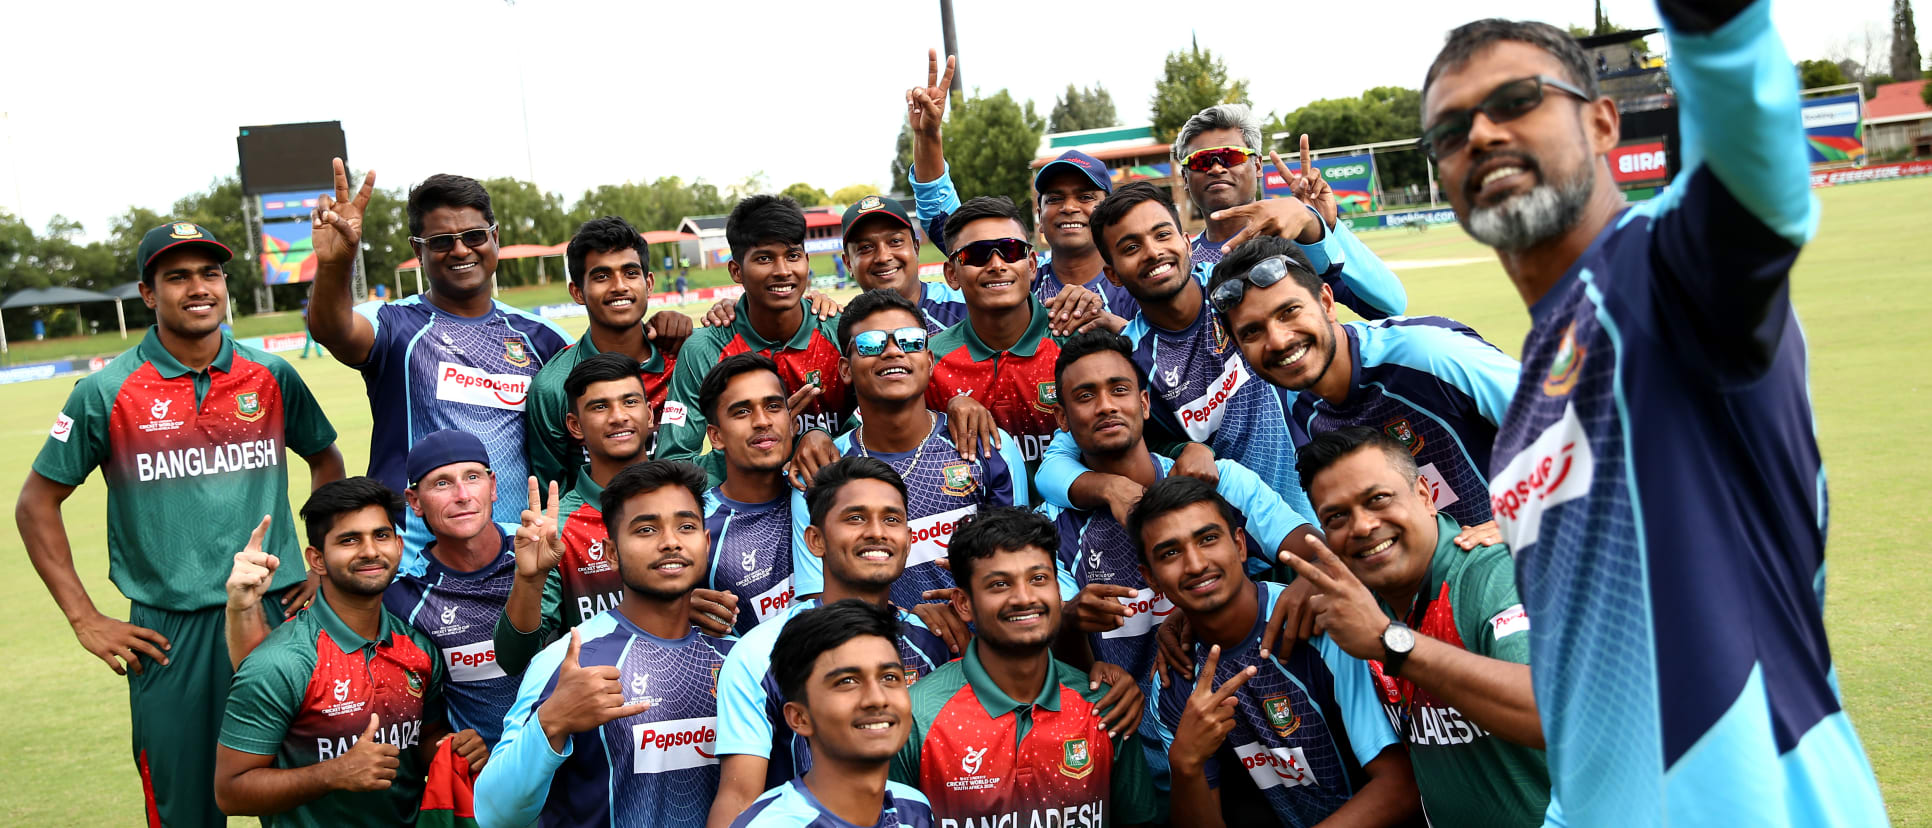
{"points": [[674, 414], [773, 601], [1438, 485], [674, 745], [1150, 609], [932, 534], [248, 407], [1201, 416], [63, 427], [474, 386], [1275, 767], [1565, 366], [1555, 468], [472, 662], [1509, 622]]}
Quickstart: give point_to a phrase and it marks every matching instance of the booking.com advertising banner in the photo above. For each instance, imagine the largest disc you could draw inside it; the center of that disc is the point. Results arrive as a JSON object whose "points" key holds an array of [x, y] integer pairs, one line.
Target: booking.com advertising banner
{"points": [[1835, 129], [1352, 177]]}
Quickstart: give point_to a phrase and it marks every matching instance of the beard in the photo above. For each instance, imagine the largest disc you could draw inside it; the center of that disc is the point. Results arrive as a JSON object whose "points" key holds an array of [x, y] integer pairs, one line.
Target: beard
{"points": [[1324, 346], [1524, 221]]}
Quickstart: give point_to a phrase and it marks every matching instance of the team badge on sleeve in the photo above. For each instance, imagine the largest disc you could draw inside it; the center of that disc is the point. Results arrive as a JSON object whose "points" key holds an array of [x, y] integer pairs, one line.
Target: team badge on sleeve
{"points": [[514, 353], [248, 407], [1281, 715], [1075, 760], [959, 480]]}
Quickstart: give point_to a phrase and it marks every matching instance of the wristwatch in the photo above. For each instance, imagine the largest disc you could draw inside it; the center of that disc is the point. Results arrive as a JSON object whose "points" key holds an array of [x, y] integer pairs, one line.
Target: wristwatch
{"points": [[1397, 642]]}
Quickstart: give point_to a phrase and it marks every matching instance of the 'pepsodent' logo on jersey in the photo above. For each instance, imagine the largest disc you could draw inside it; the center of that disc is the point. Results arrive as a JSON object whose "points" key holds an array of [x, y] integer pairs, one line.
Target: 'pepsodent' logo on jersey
{"points": [[472, 662], [1509, 622], [773, 601], [1555, 468], [474, 386], [674, 745], [63, 427], [1438, 485], [674, 414], [1275, 767], [1150, 608], [932, 534], [1201, 416]]}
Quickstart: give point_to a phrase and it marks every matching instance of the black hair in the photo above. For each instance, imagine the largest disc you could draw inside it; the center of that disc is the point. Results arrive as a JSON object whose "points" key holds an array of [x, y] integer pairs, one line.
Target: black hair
{"points": [[1001, 528], [1470, 38], [1253, 251], [648, 476], [722, 373], [445, 190], [340, 497], [814, 632], [1329, 447], [1172, 494], [832, 477], [1115, 206], [604, 235], [604, 367], [1088, 343], [763, 218], [983, 207], [869, 303]]}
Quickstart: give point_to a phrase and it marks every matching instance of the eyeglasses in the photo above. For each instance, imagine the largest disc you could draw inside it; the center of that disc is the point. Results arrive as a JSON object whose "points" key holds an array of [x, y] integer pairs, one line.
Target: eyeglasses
{"points": [[447, 241], [1205, 158], [1505, 103], [977, 254], [1264, 274], [873, 343]]}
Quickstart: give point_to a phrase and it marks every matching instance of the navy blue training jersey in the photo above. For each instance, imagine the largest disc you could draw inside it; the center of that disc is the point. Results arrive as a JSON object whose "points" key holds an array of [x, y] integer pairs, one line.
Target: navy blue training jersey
{"points": [[459, 611], [755, 549]]}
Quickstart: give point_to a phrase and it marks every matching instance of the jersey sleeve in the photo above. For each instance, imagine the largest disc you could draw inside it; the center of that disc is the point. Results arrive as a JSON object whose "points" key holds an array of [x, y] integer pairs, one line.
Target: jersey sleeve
{"points": [[1456, 357], [1009, 476], [808, 572], [307, 429], [380, 343], [905, 763], [1133, 785], [936, 201], [680, 429], [77, 443], [515, 648], [744, 727], [545, 439], [516, 781], [1726, 232], [1495, 624], [1059, 466], [1270, 520], [262, 700], [1358, 277], [1369, 731]]}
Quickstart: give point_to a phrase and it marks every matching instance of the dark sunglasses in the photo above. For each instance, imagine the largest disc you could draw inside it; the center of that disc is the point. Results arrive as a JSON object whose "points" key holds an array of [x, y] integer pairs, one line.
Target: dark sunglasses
{"points": [[1266, 273], [1206, 158], [447, 241], [873, 343], [1505, 103], [978, 253]]}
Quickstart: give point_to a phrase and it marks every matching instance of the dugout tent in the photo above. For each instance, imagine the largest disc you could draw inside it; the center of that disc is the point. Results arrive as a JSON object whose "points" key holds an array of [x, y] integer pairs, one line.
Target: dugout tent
{"points": [[35, 297]]}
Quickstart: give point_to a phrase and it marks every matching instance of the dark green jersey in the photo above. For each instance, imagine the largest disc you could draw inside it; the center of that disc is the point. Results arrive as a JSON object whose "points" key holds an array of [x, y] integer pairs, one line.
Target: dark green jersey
{"points": [[192, 460], [1468, 775], [305, 697], [554, 455]]}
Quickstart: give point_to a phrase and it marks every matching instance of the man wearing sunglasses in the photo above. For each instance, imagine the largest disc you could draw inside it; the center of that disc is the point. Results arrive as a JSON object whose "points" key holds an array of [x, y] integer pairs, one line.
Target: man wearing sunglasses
{"points": [[882, 252], [452, 358], [1430, 383], [1217, 155], [1657, 475]]}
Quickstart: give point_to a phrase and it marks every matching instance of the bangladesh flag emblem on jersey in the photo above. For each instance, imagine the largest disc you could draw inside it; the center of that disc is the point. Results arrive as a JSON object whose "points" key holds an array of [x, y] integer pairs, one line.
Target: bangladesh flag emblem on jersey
{"points": [[1075, 760], [248, 406], [415, 683], [959, 480], [514, 353], [1048, 396], [1404, 434], [1281, 714], [811, 378], [1565, 366]]}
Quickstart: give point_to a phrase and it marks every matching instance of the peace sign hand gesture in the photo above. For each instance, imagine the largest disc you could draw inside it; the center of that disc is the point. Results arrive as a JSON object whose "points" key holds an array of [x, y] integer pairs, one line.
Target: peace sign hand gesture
{"points": [[539, 542], [1209, 715], [337, 221], [1343, 607], [926, 105], [1308, 184]]}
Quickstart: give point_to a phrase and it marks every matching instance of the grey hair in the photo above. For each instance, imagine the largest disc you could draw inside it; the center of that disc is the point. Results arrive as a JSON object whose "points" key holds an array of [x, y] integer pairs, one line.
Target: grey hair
{"points": [[1471, 38], [1219, 116]]}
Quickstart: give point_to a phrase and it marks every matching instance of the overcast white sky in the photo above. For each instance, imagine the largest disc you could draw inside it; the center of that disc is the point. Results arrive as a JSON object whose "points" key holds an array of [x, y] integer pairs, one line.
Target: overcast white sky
{"points": [[116, 104]]}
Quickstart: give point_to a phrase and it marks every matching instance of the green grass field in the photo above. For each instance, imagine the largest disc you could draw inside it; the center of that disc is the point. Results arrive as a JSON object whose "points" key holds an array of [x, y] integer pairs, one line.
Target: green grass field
{"points": [[1860, 289]]}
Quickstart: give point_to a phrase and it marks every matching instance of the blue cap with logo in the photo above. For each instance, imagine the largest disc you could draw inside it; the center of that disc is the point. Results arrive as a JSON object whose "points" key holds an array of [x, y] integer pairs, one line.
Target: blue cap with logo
{"points": [[443, 448], [1088, 165]]}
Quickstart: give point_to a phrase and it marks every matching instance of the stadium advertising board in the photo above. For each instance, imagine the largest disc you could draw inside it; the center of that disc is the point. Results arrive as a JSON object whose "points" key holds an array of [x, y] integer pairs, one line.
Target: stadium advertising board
{"points": [[295, 205], [1639, 162], [288, 252], [1352, 177], [35, 371], [1880, 172], [1835, 129]]}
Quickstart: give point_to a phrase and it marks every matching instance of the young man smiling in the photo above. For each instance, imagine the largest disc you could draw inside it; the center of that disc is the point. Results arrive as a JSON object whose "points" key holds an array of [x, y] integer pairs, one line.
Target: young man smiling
{"points": [[615, 726], [757, 522], [449, 358], [609, 278]]}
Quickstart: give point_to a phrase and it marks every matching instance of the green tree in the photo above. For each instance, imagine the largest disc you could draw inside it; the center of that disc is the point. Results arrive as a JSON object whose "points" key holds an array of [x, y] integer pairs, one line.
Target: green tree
{"points": [[526, 215], [902, 160], [1193, 80], [853, 192], [990, 143], [1816, 73], [1905, 41], [1385, 113], [806, 195], [1082, 109]]}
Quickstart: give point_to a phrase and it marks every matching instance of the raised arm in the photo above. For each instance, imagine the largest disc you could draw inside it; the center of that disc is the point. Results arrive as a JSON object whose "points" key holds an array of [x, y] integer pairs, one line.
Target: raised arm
{"points": [[337, 225], [934, 198]]}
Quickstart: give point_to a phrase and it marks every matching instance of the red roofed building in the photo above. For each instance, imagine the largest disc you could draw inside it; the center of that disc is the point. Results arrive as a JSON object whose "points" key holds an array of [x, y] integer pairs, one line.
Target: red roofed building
{"points": [[1898, 118]]}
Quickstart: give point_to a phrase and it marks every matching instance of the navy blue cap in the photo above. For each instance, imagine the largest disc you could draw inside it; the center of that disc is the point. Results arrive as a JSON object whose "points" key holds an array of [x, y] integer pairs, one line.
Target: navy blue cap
{"points": [[443, 448], [1087, 164]]}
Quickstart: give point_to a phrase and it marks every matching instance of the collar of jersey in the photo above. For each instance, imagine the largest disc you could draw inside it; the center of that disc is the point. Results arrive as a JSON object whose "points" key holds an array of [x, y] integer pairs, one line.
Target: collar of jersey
{"points": [[587, 489], [168, 367], [801, 339], [653, 363], [995, 700], [339, 631], [1036, 330]]}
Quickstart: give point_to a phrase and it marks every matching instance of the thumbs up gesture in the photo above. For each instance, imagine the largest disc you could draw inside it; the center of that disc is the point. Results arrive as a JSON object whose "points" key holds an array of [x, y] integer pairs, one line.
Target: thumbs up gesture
{"points": [[368, 765], [585, 698]]}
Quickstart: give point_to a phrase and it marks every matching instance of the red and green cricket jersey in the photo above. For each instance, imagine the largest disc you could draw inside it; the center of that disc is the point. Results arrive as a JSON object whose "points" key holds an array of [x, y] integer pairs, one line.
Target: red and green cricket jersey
{"points": [[554, 454], [305, 696], [984, 759], [1468, 776], [1015, 384], [584, 584], [809, 357], [192, 460]]}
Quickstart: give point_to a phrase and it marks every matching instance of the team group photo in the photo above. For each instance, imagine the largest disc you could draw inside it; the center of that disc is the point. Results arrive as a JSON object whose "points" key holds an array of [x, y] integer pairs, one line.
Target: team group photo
{"points": [[1466, 451]]}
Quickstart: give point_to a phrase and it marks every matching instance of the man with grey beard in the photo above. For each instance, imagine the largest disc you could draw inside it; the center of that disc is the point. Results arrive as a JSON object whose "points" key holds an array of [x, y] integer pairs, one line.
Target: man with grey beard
{"points": [[1656, 473]]}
